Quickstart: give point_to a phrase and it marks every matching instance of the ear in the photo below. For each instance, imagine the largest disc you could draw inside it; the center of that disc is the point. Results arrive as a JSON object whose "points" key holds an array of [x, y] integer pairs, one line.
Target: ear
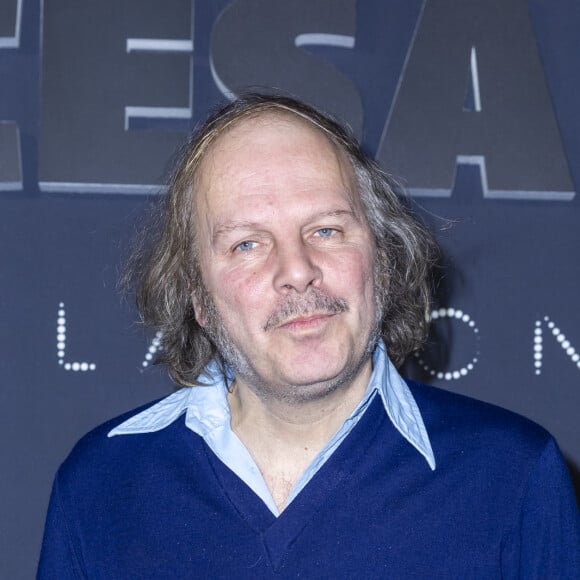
{"points": [[197, 309]]}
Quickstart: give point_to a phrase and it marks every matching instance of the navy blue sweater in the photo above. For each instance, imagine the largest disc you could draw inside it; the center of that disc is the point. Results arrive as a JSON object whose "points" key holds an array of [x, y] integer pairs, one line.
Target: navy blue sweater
{"points": [[162, 505]]}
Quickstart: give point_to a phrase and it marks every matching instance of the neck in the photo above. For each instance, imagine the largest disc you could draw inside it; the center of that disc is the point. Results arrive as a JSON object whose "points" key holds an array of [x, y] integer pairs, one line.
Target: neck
{"points": [[284, 437]]}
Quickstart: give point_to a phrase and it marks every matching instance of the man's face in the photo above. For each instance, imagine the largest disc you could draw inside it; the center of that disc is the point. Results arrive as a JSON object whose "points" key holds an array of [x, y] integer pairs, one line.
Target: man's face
{"points": [[286, 259]]}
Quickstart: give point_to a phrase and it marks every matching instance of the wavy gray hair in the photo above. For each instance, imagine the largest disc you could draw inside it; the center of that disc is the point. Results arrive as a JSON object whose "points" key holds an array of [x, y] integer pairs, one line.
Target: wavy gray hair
{"points": [[164, 269]]}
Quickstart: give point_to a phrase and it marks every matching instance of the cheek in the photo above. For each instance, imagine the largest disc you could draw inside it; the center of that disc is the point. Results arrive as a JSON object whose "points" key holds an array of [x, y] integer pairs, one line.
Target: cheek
{"points": [[354, 273], [241, 292]]}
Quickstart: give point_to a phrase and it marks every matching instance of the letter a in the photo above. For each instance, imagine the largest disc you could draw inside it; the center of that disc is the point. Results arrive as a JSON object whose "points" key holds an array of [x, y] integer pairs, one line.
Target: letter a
{"points": [[485, 50]]}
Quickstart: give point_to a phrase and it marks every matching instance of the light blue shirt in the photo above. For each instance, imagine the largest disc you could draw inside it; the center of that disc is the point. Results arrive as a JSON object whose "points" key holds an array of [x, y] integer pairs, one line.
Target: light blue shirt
{"points": [[207, 413]]}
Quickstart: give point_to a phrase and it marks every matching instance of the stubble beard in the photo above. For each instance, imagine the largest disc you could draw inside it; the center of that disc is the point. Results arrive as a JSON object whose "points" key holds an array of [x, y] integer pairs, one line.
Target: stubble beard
{"points": [[295, 305]]}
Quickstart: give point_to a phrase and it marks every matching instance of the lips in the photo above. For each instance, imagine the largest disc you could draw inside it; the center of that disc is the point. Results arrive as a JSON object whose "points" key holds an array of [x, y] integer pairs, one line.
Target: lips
{"points": [[306, 321]]}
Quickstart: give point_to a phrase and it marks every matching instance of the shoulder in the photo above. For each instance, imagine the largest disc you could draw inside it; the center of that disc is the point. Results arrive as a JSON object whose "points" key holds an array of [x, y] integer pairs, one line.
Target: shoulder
{"points": [[490, 452], [441, 408], [457, 424], [501, 468], [96, 455]]}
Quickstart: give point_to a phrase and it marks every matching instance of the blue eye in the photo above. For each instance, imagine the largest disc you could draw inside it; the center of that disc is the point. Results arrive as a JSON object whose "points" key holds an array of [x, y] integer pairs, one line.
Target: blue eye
{"points": [[246, 246], [325, 232]]}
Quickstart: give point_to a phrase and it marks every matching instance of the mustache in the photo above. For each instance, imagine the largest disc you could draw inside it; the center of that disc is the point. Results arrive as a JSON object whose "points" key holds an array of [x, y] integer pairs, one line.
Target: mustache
{"points": [[316, 301]]}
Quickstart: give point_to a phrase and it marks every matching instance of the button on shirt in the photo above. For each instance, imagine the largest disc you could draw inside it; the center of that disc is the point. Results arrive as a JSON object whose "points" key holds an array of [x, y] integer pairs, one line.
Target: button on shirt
{"points": [[207, 413]]}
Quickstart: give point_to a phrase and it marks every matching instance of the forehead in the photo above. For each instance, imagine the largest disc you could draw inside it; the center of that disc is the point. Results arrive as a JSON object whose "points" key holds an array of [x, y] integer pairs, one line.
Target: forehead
{"points": [[268, 153], [258, 127]]}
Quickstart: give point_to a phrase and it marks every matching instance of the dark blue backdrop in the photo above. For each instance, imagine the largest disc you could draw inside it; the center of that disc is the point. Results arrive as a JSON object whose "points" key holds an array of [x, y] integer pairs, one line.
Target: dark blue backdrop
{"points": [[95, 95]]}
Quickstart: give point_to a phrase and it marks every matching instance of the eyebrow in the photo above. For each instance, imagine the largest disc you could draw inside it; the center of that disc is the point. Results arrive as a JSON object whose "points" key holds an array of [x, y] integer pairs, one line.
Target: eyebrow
{"points": [[241, 225], [234, 226]]}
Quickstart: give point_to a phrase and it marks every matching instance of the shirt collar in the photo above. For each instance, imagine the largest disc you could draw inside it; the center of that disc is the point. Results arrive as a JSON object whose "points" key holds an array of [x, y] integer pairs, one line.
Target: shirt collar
{"points": [[206, 408]]}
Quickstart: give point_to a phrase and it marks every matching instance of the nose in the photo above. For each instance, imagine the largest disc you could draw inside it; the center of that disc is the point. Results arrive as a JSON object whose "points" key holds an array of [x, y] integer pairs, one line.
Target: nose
{"points": [[296, 267]]}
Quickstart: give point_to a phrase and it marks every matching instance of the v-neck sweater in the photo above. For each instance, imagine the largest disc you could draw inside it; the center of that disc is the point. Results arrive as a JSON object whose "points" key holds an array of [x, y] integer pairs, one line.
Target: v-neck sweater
{"points": [[162, 505], [207, 413]]}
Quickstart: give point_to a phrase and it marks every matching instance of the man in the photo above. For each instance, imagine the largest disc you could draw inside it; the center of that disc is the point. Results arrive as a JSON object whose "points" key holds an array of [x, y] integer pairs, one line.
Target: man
{"points": [[284, 272]]}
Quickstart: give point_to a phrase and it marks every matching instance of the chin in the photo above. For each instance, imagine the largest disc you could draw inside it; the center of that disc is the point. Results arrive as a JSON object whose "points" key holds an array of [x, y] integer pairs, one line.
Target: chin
{"points": [[318, 382], [299, 393]]}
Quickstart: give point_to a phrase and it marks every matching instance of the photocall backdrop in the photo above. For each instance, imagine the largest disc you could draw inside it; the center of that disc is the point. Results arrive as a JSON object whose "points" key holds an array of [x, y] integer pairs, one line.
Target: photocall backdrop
{"points": [[473, 104]]}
